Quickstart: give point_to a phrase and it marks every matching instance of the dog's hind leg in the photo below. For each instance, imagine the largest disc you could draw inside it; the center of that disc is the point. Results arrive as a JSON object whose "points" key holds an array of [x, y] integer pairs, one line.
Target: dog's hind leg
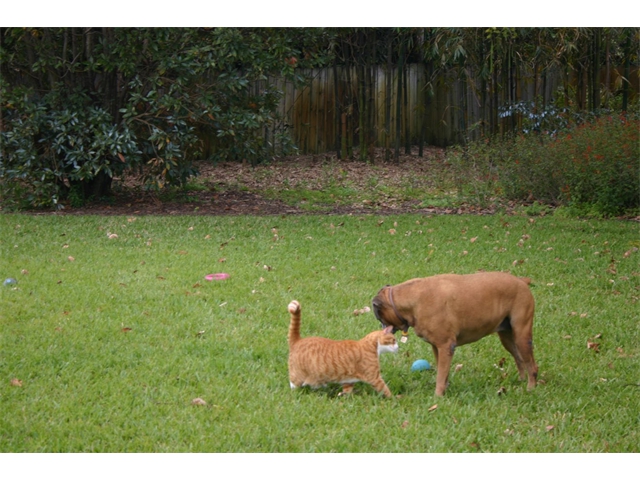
{"points": [[524, 343], [523, 339], [506, 337]]}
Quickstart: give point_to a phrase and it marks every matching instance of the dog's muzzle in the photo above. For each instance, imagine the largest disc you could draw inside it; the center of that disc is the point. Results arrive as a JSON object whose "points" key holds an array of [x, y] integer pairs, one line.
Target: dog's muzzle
{"points": [[377, 304], [377, 307]]}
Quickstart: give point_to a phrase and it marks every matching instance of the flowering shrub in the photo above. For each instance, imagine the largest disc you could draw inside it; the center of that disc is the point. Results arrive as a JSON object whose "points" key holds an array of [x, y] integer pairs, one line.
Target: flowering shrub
{"points": [[599, 165], [594, 166]]}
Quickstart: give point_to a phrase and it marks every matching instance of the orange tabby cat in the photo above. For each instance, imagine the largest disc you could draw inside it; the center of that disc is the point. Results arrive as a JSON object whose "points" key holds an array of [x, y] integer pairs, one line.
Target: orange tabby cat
{"points": [[317, 361]]}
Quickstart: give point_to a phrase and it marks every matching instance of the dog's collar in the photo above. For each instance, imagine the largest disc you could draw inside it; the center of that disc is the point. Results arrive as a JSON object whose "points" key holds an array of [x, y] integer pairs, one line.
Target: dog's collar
{"points": [[395, 311]]}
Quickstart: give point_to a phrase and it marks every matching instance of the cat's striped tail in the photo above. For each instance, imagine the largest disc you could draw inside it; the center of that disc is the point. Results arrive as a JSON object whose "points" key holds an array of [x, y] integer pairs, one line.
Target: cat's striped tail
{"points": [[294, 326]]}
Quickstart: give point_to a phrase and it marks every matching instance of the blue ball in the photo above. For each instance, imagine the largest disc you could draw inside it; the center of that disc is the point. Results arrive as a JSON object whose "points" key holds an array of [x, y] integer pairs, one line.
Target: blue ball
{"points": [[420, 365], [10, 281]]}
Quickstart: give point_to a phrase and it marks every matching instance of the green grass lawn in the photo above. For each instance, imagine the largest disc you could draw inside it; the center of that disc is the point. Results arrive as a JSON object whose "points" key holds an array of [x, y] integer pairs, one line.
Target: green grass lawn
{"points": [[105, 342]]}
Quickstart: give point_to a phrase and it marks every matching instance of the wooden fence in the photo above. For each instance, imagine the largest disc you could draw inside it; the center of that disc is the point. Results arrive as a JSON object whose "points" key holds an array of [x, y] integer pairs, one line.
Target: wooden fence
{"points": [[458, 110]]}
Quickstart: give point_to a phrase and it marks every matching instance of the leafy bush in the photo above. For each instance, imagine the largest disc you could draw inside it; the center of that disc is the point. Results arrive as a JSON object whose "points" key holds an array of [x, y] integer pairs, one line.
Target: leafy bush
{"points": [[99, 101], [58, 146], [594, 166]]}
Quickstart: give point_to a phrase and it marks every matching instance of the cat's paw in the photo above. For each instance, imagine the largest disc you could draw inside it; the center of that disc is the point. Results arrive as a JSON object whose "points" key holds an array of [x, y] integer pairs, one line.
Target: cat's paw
{"points": [[294, 307]]}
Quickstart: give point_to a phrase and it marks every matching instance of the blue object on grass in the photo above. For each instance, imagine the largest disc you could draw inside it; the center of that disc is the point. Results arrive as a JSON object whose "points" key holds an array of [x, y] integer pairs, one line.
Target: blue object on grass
{"points": [[420, 365], [10, 281]]}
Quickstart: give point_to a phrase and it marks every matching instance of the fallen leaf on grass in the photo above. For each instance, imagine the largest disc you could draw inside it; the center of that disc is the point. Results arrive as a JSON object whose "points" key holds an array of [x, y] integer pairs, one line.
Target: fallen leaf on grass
{"points": [[126, 329], [502, 390], [71, 259], [24, 272], [198, 401], [16, 383], [548, 428], [458, 367], [405, 424], [361, 311], [432, 408], [593, 346]]}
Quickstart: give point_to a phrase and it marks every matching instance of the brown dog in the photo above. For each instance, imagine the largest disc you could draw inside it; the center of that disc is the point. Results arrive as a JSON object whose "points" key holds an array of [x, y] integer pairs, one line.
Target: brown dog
{"points": [[451, 310]]}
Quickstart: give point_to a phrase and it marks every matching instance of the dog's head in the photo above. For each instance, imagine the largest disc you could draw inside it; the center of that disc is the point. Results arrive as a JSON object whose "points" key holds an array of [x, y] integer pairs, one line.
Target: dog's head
{"points": [[386, 313]]}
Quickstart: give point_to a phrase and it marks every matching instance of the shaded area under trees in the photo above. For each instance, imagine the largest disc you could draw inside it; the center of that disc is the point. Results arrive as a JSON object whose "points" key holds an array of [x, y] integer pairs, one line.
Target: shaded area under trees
{"points": [[79, 106]]}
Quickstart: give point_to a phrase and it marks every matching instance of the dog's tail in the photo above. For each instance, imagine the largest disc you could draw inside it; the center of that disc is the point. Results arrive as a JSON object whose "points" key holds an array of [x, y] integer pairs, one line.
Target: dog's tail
{"points": [[294, 326]]}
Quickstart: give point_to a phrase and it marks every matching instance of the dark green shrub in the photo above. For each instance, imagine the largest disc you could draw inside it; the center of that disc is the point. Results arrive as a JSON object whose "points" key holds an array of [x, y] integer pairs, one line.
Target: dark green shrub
{"points": [[54, 146], [98, 101], [594, 166]]}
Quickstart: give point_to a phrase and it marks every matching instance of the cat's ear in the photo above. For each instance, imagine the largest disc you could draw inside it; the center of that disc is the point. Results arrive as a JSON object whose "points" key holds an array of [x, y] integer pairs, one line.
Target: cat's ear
{"points": [[388, 329]]}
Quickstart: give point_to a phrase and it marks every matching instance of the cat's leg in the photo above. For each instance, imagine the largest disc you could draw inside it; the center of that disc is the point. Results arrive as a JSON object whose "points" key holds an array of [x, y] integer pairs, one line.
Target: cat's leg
{"points": [[380, 386], [347, 388]]}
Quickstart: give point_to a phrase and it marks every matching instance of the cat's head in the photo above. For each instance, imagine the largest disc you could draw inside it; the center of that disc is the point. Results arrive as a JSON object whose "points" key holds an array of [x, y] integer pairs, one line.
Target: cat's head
{"points": [[387, 341]]}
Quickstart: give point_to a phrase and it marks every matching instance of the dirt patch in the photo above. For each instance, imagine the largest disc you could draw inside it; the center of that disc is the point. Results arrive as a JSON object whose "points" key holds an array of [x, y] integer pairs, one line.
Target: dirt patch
{"points": [[237, 189]]}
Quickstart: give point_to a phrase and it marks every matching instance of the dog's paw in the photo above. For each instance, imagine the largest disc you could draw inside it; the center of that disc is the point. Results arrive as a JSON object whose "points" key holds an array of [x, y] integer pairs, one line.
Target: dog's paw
{"points": [[294, 307]]}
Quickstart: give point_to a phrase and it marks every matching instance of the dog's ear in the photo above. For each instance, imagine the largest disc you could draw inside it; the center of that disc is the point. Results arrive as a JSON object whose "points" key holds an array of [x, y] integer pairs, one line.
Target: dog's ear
{"points": [[376, 303]]}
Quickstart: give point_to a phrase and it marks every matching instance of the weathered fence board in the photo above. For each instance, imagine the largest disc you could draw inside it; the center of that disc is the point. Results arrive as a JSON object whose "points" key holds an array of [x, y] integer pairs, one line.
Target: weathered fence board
{"points": [[457, 111]]}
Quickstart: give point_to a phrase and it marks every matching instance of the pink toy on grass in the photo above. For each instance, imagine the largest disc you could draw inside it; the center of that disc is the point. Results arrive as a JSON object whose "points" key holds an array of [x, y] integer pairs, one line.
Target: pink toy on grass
{"points": [[216, 276]]}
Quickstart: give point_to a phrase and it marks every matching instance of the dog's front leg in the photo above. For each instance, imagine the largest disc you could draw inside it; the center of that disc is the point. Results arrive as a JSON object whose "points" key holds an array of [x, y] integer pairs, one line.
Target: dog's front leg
{"points": [[444, 355]]}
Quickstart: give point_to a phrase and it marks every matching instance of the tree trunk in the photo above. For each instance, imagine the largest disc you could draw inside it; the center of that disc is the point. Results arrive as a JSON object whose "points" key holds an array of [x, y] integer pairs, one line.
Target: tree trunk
{"points": [[98, 187], [627, 70], [407, 120], [396, 154], [595, 70], [387, 112], [607, 75], [362, 129], [337, 106]]}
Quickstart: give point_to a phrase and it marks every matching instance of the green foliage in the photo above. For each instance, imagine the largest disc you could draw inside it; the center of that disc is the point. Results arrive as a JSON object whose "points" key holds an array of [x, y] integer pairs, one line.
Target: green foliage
{"points": [[52, 144], [98, 101], [593, 166]]}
